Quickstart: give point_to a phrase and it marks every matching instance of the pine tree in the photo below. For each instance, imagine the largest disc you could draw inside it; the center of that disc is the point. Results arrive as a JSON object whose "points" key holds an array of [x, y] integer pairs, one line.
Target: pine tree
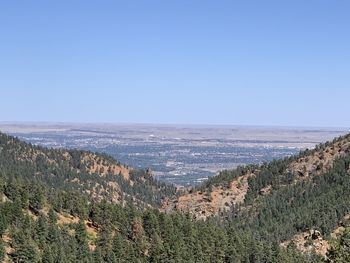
{"points": [[41, 231], [157, 252], [97, 256], [189, 233], [111, 258], [119, 246], [17, 215], [61, 255], [48, 256], [103, 242], [151, 224], [82, 242], [3, 223], [234, 246], [220, 244], [53, 234], [52, 216], [138, 236], [36, 201], [340, 249], [2, 250], [24, 248]]}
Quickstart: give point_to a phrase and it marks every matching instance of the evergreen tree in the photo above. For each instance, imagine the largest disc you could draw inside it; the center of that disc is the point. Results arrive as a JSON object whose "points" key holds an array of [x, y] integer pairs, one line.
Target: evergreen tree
{"points": [[97, 256], [3, 222], [82, 253], [119, 247], [52, 216], [157, 252], [37, 199], [41, 231], [48, 256], [340, 249], [25, 249], [53, 236], [2, 250], [111, 258]]}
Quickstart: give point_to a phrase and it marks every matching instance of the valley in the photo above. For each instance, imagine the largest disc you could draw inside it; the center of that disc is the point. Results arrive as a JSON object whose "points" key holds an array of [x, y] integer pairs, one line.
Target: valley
{"points": [[292, 209], [178, 154]]}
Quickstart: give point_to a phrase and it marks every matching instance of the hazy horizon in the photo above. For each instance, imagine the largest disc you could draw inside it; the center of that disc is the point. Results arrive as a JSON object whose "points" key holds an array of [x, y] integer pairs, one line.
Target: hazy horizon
{"points": [[195, 125]]}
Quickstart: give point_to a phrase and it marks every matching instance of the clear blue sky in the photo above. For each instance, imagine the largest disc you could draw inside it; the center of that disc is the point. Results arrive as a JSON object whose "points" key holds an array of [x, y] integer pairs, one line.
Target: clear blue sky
{"points": [[181, 61]]}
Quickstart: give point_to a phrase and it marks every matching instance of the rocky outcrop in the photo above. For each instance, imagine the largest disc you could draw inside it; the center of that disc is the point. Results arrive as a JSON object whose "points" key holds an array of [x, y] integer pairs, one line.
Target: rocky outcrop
{"points": [[203, 204], [321, 159], [219, 198], [95, 164], [309, 242]]}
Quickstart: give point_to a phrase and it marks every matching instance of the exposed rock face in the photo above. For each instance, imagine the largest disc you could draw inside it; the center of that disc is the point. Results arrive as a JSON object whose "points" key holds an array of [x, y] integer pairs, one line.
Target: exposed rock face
{"points": [[209, 203], [315, 234], [321, 159], [103, 167], [312, 240], [308, 242], [220, 198], [266, 190]]}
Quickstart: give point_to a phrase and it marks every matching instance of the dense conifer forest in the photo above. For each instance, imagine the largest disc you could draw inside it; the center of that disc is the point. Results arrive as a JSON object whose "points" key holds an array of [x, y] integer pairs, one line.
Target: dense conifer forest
{"points": [[75, 170], [32, 228], [45, 217]]}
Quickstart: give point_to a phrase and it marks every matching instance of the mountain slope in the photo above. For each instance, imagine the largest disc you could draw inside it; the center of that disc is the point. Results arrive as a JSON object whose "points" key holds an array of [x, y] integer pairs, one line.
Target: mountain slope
{"points": [[47, 213], [46, 216], [282, 200], [97, 175], [220, 193]]}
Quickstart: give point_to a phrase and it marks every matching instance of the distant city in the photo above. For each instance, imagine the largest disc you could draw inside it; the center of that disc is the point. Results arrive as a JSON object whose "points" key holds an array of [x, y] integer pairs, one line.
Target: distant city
{"points": [[178, 154]]}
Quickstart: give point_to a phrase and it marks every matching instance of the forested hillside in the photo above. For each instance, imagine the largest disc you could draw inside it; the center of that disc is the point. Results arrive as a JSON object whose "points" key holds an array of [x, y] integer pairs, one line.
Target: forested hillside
{"points": [[97, 175], [41, 224], [281, 199], [246, 184], [48, 214]]}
